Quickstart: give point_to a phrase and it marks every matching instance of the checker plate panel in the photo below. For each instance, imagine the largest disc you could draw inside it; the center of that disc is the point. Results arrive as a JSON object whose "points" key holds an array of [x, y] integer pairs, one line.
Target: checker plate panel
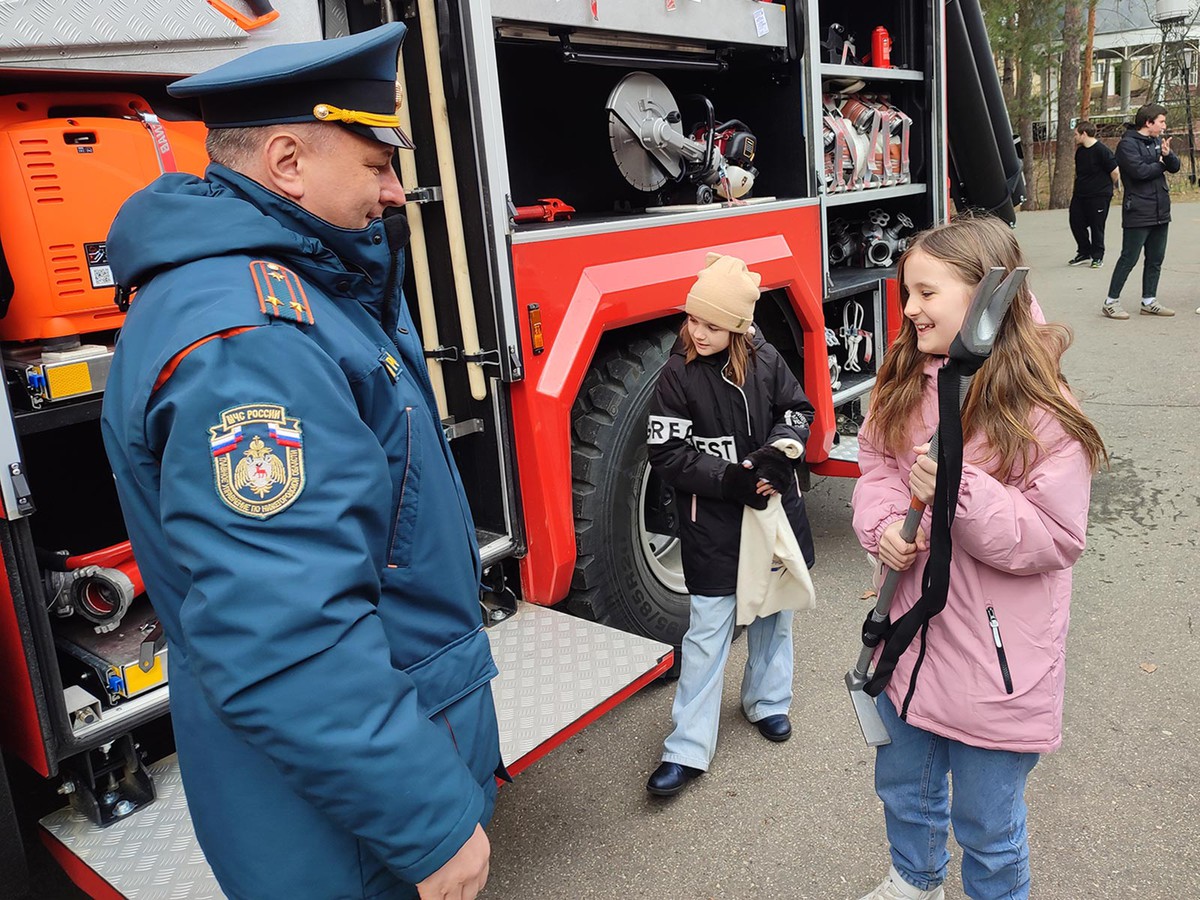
{"points": [[554, 669]]}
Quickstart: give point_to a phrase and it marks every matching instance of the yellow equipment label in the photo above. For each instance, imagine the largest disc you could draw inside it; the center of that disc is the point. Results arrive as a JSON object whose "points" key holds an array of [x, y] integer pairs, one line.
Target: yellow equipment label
{"points": [[137, 681], [69, 380]]}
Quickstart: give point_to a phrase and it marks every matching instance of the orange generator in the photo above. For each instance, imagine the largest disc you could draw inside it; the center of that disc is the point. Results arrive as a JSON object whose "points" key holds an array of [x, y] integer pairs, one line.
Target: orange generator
{"points": [[67, 163]]}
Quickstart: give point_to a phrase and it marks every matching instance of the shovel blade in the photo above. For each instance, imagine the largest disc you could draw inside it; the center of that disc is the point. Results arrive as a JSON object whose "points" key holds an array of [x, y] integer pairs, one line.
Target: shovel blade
{"points": [[873, 730]]}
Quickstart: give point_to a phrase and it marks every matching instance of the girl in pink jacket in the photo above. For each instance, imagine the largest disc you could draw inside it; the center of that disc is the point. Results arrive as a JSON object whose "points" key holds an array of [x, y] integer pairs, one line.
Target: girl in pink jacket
{"points": [[981, 697]]}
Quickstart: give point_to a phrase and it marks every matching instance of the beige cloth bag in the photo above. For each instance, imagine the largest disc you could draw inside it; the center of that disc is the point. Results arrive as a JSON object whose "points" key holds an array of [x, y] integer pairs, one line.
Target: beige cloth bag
{"points": [[772, 574]]}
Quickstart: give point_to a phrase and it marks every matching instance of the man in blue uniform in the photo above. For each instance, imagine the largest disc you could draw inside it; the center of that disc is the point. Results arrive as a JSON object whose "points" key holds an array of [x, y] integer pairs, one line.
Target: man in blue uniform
{"points": [[292, 500]]}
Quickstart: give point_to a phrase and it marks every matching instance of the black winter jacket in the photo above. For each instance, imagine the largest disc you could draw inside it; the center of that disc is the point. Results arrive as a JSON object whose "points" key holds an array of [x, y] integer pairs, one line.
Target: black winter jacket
{"points": [[700, 422], [1143, 173]]}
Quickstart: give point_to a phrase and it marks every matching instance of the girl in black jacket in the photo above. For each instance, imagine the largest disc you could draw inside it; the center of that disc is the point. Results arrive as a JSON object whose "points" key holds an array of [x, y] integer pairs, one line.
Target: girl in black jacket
{"points": [[727, 426]]}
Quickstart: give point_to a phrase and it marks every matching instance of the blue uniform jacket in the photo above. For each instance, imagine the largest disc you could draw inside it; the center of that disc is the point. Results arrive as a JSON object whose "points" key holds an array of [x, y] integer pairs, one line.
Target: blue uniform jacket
{"points": [[305, 540]]}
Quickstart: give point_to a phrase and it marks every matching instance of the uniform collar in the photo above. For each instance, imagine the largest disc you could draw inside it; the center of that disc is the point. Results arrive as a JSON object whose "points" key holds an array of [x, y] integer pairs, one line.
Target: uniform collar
{"points": [[362, 251]]}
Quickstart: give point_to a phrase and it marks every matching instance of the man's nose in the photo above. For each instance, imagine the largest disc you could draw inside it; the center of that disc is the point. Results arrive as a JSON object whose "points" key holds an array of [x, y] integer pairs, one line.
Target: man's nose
{"points": [[391, 191]]}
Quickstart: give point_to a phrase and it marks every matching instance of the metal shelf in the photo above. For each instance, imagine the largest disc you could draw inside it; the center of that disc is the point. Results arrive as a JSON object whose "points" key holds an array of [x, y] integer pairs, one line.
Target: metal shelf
{"points": [[874, 195], [852, 389], [870, 73], [57, 415], [844, 281]]}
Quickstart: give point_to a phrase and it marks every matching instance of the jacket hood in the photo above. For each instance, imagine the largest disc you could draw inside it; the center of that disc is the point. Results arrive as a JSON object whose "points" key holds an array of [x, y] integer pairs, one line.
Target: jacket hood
{"points": [[180, 218]]}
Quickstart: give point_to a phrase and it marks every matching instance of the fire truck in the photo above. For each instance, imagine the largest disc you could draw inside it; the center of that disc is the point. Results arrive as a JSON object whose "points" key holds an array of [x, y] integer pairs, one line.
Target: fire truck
{"points": [[575, 161]]}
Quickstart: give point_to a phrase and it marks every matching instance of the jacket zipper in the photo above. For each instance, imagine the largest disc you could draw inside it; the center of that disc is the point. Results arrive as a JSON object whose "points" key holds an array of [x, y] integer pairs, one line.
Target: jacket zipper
{"points": [[745, 403], [693, 507], [403, 488], [1000, 654]]}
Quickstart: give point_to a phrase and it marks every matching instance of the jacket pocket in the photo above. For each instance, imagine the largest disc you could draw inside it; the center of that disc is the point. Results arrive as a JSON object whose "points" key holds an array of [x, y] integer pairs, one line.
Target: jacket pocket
{"points": [[405, 518], [471, 725], [1001, 656]]}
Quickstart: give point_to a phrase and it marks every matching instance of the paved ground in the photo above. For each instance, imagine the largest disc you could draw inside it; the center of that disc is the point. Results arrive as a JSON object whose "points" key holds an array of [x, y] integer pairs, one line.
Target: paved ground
{"points": [[1114, 814]]}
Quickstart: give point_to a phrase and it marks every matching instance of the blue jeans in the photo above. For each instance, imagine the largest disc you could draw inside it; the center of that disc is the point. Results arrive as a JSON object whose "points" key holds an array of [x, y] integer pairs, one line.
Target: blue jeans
{"points": [[987, 809], [766, 683]]}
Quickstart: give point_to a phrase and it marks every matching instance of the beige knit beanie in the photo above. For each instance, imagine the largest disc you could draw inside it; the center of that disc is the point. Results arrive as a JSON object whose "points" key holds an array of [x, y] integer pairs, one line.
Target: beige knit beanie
{"points": [[724, 294]]}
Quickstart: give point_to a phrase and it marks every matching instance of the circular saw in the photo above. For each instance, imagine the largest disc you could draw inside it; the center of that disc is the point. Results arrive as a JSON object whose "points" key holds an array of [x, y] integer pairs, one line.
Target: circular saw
{"points": [[652, 150]]}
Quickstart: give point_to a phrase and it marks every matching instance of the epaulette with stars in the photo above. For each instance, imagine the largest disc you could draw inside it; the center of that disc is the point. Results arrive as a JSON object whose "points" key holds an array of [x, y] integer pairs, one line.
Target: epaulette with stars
{"points": [[280, 293]]}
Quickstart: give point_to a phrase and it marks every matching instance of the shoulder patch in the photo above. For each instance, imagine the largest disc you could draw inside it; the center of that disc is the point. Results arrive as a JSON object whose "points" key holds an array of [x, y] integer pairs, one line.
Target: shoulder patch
{"points": [[267, 475], [280, 292]]}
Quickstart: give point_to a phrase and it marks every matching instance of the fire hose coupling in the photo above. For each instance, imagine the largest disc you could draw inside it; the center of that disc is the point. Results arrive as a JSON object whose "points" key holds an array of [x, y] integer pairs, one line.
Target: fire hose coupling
{"points": [[885, 241], [101, 596], [98, 586], [874, 242]]}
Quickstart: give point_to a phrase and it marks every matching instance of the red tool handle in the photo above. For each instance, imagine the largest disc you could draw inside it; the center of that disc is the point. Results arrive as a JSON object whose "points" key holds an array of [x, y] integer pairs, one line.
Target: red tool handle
{"points": [[545, 210]]}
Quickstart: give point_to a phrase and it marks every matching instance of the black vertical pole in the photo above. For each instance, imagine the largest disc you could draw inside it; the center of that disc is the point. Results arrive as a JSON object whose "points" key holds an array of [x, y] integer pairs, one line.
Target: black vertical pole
{"points": [[1187, 106]]}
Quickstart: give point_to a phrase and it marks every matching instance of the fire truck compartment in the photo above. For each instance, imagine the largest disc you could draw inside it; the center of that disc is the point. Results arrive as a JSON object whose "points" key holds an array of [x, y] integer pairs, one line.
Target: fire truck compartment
{"points": [[557, 674]]}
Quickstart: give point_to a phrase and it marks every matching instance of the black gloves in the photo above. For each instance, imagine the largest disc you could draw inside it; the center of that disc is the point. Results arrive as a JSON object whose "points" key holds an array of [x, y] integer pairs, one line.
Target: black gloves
{"points": [[741, 485], [773, 466]]}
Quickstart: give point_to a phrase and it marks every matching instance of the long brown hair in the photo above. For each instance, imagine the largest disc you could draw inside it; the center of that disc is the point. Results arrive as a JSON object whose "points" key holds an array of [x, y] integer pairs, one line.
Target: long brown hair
{"points": [[741, 352], [1022, 375]]}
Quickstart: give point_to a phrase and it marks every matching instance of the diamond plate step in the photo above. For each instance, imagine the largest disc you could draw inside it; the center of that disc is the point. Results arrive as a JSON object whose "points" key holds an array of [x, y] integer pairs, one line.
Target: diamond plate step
{"points": [[557, 673], [846, 449]]}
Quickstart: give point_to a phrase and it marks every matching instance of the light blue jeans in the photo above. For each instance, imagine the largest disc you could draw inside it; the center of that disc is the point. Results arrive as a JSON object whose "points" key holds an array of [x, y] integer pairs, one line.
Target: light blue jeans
{"points": [[987, 807], [766, 683]]}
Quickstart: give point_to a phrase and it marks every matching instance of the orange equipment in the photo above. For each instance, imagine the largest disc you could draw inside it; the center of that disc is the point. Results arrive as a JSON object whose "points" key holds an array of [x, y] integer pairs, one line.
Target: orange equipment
{"points": [[67, 163]]}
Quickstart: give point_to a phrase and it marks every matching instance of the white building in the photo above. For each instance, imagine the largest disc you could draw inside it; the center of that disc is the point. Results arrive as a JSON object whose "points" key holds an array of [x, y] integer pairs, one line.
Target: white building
{"points": [[1140, 53]]}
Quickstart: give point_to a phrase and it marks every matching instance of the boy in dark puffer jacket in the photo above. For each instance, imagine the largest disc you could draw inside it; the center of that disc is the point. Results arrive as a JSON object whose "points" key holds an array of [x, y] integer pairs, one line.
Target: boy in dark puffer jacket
{"points": [[1144, 157]]}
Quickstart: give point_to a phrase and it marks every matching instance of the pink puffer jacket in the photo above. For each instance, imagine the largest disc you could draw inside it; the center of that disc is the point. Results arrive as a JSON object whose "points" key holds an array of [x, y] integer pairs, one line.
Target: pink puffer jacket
{"points": [[1010, 582]]}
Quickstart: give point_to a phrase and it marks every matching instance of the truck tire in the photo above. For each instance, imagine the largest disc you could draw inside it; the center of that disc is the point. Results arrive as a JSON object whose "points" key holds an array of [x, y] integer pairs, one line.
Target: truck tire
{"points": [[627, 572]]}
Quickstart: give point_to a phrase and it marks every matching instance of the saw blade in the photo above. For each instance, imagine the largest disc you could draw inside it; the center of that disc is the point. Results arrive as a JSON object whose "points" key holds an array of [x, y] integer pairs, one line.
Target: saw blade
{"points": [[635, 104]]}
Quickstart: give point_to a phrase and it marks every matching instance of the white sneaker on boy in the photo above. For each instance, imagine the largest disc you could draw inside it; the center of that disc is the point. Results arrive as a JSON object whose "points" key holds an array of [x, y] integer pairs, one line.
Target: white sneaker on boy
{"points": [[896, 888]]}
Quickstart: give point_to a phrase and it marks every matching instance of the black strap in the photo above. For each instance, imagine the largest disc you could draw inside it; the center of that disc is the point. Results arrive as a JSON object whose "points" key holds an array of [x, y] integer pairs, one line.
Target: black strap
{"points": [[935, 580]]}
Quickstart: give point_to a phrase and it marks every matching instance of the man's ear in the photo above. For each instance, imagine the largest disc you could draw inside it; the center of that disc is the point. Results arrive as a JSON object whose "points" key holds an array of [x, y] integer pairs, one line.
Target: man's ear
{"points": [[283, 158]]}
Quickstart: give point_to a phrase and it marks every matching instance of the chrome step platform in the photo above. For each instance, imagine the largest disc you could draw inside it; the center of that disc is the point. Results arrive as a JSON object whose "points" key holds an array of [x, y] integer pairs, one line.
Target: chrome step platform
{"points": [[558, 673]]}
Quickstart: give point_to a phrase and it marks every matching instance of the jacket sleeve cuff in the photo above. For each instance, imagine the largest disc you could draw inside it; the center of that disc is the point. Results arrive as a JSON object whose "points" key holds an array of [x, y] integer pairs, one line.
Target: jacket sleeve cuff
{"points": [[891, 517], [454, 840], [790, 447]]}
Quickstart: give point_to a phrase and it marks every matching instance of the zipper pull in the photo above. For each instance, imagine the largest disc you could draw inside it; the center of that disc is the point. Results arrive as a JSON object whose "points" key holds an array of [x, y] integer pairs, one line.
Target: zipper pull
{"points": [[991, 614]]}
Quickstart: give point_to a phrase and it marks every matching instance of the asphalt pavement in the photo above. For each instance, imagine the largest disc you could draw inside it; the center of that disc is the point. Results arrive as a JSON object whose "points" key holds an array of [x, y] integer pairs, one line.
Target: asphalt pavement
{"points": [[1114, 814]]}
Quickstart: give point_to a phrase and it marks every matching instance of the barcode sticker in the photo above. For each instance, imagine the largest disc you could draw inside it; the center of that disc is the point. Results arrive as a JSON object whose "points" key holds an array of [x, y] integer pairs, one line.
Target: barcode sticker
{"points": [[760, 22], [97, 262]]}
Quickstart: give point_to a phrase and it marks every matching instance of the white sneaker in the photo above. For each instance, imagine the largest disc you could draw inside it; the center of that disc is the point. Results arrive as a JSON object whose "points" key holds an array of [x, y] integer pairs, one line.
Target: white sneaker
{"points": [[896, 888]]}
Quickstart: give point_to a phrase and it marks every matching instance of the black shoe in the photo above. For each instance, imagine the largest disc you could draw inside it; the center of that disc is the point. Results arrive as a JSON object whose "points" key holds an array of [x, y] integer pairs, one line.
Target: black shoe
{"points": [[775, 728], [671, 778], [1097, 264], [1080, 260]]}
